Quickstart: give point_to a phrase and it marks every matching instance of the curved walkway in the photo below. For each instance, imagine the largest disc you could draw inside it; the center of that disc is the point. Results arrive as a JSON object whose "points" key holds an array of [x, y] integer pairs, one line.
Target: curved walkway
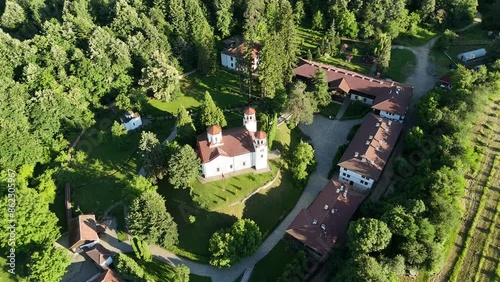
{"points": [[326, 136]]}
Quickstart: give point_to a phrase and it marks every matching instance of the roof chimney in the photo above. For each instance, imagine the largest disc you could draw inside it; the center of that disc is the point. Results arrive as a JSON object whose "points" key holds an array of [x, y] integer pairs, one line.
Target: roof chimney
{"points": [[389, 123], [363, 159], [367, 142], [356, 154], [370, 137], [372, 161], [377, 124]]}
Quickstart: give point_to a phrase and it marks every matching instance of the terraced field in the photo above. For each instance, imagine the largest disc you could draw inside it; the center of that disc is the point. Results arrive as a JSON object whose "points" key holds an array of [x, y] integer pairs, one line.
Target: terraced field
{"points": [[475, 253]]}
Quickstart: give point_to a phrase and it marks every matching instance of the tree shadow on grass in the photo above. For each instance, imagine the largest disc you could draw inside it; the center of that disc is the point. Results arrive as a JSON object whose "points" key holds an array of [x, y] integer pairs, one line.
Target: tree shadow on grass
{"points": [[193, 237], [269, 209]]}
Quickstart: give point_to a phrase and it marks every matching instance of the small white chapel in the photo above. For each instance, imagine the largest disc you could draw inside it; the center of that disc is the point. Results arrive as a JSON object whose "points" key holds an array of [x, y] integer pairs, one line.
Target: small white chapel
{"points": [[233, 149]]}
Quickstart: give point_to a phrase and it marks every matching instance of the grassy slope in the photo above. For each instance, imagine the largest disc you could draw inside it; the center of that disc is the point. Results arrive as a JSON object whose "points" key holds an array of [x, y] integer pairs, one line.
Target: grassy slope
{"points": [[272, 265], [223, 86], [122, 163], [423, 36], [309, 39], [223, 192], [402, 64]]}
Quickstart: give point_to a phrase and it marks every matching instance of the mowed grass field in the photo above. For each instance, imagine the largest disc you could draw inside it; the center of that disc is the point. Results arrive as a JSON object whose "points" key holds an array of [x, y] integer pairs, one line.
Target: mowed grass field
{"points": [[402, 64], [223, 86], [474, 255], [309, 39]]}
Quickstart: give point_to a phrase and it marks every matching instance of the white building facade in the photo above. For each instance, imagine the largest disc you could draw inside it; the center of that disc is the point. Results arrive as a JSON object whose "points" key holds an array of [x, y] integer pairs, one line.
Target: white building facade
{"points": [[392, 116], [228, 61], [239, 149], [355, 179], [131, 120]]}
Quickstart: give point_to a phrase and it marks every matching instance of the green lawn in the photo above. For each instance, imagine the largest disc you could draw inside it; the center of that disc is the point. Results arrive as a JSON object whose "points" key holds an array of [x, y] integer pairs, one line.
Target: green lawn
{"points": [[309, 39], [356, 110], [223, 192], [402, 64], [423, 36], [354, 65], [331, 110], [270, 268], [223, 86], [98, 180], [4, 275]]}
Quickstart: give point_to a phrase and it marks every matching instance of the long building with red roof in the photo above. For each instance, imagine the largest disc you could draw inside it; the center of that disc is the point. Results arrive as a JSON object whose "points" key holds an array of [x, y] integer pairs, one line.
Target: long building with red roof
{"points": [[389, 99], [323, 224], [368, 152]]}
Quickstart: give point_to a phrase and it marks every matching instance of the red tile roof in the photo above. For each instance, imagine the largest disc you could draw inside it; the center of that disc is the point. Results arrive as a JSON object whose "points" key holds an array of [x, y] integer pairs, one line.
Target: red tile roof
{"points": [[214, 129], [108, 276], [389, 96], [99, 254], [82, 229], [235, 141], [335, 224], [373, 145], [250, 111], [260, 135], [235, 46]]}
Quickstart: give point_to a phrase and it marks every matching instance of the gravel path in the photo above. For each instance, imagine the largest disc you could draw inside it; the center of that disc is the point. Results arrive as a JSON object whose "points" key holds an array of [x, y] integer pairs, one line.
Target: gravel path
{"points": [[326, 136]]}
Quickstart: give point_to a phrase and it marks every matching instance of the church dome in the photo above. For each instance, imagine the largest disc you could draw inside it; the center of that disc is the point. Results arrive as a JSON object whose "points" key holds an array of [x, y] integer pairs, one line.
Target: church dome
{"points": [[260, 135], [214, 129], [250, 111]]}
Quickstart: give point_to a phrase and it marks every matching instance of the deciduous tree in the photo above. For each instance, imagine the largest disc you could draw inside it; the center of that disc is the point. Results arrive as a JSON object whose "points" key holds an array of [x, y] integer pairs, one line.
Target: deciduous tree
{"points": [[153, 156], [229, 246], [181, 273], [128, 268], [48, 264], [368, 235], [301, 160], [135, 187], [161, 78]]}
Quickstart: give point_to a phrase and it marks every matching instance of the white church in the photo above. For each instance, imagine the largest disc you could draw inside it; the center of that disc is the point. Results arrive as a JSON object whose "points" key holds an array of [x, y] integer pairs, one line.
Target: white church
{"points": [[234, 149]]}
